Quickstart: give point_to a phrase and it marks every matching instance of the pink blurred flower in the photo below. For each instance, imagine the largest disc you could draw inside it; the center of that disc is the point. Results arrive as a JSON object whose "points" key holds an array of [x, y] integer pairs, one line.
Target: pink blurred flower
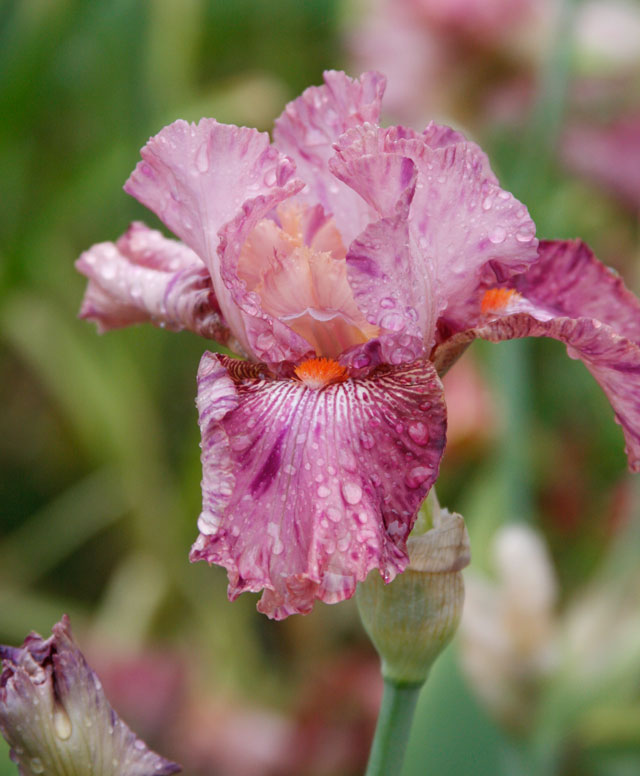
{"points": [[608, 154], [55, 716], [347, 272], [446, 57]]}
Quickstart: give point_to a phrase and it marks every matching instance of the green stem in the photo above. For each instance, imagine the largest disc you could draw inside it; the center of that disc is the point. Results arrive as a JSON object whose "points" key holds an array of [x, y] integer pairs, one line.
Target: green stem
{"points": [[393, 728]]}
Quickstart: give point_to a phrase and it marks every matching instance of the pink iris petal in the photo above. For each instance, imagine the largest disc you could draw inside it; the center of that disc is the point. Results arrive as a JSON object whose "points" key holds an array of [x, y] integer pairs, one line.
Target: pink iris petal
{"points": [[569, 280], [146, 277], [196, 177], [614, 361], [310, 125], [391, 289], [463, 225], [570, 296], [306, 490], [268, 338]]}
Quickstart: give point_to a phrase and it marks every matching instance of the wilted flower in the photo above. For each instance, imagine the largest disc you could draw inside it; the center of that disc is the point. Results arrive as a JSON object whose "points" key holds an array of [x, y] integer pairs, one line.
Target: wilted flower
{"points": [[54, 714], [347, 272]]}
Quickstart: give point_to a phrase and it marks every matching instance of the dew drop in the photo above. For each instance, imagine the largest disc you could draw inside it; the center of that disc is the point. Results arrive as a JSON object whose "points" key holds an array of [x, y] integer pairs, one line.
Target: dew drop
{"points": [[140, 745], [265, 341], [367, 440], [417, 476], [524, 237], [487, 202], [351, 492], [359, 362], [108, 272], [400, 356], [240, 442], [418, 432], [61, 723], [387, 302], [392, 322], [36, 765], [334, 514], [270, 177], [497, 235], [323, 491], [202, 158]]}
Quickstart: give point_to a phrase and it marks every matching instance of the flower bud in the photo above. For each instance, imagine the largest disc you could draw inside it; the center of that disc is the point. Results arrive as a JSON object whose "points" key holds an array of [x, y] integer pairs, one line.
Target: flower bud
{"points": [[412, 619], [56, 718]]}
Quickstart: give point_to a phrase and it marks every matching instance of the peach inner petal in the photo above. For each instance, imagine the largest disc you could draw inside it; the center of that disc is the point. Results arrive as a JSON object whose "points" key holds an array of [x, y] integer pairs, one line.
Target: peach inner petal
{"points": [[298, 269]]}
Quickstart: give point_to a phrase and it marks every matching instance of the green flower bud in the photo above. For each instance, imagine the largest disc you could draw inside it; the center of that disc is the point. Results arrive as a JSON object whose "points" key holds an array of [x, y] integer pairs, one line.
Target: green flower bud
{"points": [[412, 619]]}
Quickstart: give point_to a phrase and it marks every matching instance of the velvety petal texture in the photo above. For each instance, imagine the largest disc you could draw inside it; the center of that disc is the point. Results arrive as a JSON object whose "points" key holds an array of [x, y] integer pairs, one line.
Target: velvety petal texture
{"points": [[146, 277], [306, 490], [54, 714]]}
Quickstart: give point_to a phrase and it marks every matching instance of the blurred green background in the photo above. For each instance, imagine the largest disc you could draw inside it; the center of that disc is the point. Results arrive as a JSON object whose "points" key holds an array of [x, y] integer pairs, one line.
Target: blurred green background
{"points": [[99, 439]]}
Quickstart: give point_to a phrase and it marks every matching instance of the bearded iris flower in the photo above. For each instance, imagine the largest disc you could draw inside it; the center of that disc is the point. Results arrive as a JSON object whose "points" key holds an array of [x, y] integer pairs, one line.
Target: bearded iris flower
{"points": [[348, 263]]}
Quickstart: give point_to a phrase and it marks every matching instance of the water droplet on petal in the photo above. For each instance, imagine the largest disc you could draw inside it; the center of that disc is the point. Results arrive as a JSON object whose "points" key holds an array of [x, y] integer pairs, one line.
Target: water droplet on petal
{"points": [[417, 476], [367, 440], [36, 765], [108, 271], [351, 492], [270, 177], [524, 236], [202, 158], [401, 356], [419, 432], [240, 442], [387, 302], [359, 362], [487, 202], [140, 745], [323, 491], [497, 235], [392, 322], [265, 341], [61, 723]]}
